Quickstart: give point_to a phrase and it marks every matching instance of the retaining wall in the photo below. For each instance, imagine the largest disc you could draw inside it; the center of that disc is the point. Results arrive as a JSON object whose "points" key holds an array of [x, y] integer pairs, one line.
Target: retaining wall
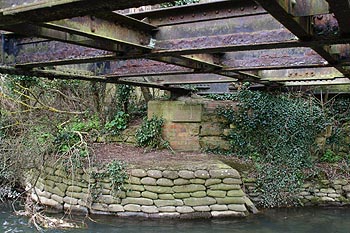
{"points": [[212, 190]]}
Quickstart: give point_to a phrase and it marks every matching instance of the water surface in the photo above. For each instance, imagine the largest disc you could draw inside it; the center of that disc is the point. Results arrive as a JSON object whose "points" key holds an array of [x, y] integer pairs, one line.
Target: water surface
{"points": [[299, 220]]}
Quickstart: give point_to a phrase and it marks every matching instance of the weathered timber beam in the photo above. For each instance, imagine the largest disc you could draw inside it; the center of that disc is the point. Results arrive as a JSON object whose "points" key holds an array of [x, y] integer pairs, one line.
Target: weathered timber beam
{"points": [[300, 74], [200, 12], [341, 10], [21, 11]]}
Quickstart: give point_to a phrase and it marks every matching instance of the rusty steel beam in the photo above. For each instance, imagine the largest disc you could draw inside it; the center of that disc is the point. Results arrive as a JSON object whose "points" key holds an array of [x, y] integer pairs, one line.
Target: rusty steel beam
{"points": [[21, 11], [341, 10], [224, 9]]}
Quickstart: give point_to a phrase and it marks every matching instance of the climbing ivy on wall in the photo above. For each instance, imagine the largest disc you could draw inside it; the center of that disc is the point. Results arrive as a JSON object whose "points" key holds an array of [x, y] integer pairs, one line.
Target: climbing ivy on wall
{"points": [[278, 132]]}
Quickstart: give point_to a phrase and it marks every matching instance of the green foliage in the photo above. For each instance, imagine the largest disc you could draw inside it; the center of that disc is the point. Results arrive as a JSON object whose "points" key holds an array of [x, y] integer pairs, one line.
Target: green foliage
{"points": [[226, 96], [150, 133], [278, 132], [123, 95], [330, 157], [118, 124], [179, 3]]}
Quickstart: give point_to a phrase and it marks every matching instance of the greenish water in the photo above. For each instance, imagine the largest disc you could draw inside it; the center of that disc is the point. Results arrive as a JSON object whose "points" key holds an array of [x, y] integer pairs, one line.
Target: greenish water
{"points": [[299, 220]]}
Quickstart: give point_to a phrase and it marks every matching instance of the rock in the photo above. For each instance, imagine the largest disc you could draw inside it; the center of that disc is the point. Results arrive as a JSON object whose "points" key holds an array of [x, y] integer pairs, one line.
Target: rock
{"points": [[199, 194], [166, 197], [193, 201], [204, 208], [340, 182], [135, 187], [49, 170], [132, 214], [132, 208], [70, 200], [218, 214], [50, 202], [185, 174], [181, 181], [76, 189], [216, 193], [61, 173], [197, 181], [235, 193], [346, 188], [237, 207], [57, 198], [133, 194], [165, 182], [149, 209], [202, 174], [115, 208], [148, 181], [161, 203], [181, 195], [209, 182], [167, 209], [189, 188], [217, 207], [224, 173], [232, 181], [43, 193], [304, 193], [139, 201], [225, 187], [108, 199], [149, 195], [138, 173], [99, 207], [328, 190], [169, 215], [154, 173], [230, 200], [334, 195], [134, 180], [76, 209], [327, 199], [184, 209], [159, 189], [82, 196], [62, 187], [56, 179], [170, 174], [250, 205]]}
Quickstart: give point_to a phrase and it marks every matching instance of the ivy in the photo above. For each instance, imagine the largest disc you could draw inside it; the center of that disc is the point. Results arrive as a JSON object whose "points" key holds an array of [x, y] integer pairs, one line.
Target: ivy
{"points": [[118, 124], [150, 133], [178, 3], [278, 132]]}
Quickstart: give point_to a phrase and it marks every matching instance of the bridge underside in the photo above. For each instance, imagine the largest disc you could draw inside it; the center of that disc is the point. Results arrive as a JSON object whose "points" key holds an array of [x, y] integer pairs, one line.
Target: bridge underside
{"points": [[271, 43]]}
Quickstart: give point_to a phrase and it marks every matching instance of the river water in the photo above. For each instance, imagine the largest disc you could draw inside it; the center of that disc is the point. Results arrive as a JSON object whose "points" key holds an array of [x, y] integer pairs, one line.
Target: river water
{"points": [[296, 220]]}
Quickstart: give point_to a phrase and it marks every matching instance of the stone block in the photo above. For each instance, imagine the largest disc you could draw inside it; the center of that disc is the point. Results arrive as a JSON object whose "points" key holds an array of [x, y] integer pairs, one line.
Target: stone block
{"points": [[235, 193], [237, 207], [133, 194], [216, 193], [189, 188], [199, 194], [197, 181], [211, 129], [167, 209], [134, 180], [154, 173], [82, 196], [56, 179], [214, 142], [204, 208], [328, 190], [170, 174], [181, 181], [76, 189], [340, 182], [225, 187], [148, 181], [202, 174], [159, 189], [327, 199], [115, 208], [193, 201], [346, 188], [70, 200], [108, 199], [135, 187], [57, 198], [149, 209], [169, 215], [232, 181], [228, 213], [75, 209], [230, 200], [132, 214], [161, 203], [185, 174], [55, 190], [209, 182], [138, 173], [165, 182], [217, 207], [181, 195], [166, 197], [224, 173], [149, 195], [184, 209], [132, 208], [139, 201]]}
